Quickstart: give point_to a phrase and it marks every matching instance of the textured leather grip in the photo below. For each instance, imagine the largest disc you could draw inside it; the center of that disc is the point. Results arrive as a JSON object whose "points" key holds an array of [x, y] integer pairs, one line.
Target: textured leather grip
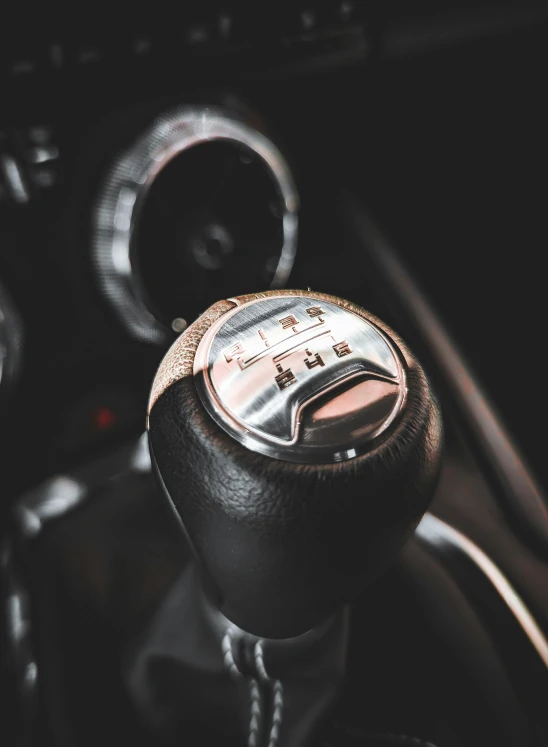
{"points": [[283, 544]]}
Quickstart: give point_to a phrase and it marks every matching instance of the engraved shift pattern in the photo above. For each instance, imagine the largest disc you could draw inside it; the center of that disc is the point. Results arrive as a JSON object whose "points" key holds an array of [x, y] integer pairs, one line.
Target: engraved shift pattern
{"points": [[261, 366], [242, 352], [342, 348]]}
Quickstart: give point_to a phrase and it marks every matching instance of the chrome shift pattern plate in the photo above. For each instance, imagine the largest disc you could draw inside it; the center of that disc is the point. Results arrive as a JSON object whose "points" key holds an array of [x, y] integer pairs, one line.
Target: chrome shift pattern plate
{"points": [[299, 378]]}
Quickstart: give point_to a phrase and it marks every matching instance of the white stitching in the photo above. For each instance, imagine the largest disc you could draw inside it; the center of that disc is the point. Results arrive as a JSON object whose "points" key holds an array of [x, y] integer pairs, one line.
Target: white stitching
{"points": [[277, 714], [258, 655], [277, 692], [228, 656], [255, 712], [255, 715]]}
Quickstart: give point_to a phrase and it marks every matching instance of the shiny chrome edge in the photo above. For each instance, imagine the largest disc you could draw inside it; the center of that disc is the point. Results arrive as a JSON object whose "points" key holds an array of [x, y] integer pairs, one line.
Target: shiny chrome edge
{"points": [[21, 657], [521, 489], [11, 342], [255, 441], [126, 186], [436, 532]]}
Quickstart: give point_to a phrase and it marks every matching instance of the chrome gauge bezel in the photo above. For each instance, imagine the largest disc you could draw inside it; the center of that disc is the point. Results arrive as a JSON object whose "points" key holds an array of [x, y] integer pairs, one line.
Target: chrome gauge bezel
{"points": [[125, 188]]}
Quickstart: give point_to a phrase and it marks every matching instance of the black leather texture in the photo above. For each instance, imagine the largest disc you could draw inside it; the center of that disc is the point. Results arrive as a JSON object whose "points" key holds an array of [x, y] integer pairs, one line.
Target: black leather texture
{"points": [[284, 544]]}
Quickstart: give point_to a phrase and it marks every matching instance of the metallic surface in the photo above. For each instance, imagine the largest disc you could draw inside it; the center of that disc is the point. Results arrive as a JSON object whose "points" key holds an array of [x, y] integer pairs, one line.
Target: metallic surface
{"points": [[299, 378], [178, 362], [18, 631], [522, 491], [126, 187], [11, 342]]}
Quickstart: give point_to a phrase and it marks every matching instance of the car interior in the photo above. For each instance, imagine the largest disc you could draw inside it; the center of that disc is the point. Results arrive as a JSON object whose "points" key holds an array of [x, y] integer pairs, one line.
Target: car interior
{"points": [[270, 474]]}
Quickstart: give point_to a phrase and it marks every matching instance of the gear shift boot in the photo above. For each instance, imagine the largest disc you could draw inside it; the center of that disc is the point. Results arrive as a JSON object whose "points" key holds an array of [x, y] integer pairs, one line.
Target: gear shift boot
{"points": [[298, 443], [224, 683]]}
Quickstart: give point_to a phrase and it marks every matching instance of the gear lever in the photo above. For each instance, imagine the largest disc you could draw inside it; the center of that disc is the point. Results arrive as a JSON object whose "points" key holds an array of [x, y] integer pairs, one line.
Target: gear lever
{"points": [[299, 442]]}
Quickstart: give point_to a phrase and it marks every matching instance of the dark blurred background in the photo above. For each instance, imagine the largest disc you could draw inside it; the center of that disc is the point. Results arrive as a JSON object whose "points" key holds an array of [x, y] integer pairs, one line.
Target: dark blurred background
{"points": [[434, 113]]}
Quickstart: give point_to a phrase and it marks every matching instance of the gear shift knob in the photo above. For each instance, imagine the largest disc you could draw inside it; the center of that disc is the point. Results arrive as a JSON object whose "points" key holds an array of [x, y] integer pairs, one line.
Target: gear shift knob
{"points": [[299, 443]]}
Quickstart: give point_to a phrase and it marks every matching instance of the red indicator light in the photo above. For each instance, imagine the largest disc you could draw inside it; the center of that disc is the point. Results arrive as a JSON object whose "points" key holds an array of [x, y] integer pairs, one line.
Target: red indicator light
{"points": [[103, 418]]}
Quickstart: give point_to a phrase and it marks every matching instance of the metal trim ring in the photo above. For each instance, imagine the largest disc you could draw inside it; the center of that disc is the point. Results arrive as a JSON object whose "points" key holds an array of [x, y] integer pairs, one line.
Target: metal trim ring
{"points": [[126, 186], [280, 443]]}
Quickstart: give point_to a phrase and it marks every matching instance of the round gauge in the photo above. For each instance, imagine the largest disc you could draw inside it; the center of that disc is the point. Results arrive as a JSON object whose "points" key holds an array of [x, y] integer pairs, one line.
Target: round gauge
{"points": [[202, 206], [11, 342]]}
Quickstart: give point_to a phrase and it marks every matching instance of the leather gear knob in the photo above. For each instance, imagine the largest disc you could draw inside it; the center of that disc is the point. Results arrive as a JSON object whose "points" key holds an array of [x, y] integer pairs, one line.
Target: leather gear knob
{"points": [[299, 442]]}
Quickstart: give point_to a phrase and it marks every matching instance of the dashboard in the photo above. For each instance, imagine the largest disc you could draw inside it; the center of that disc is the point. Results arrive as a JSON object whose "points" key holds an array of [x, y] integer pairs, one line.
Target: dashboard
{"points": [[109, 248]]}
